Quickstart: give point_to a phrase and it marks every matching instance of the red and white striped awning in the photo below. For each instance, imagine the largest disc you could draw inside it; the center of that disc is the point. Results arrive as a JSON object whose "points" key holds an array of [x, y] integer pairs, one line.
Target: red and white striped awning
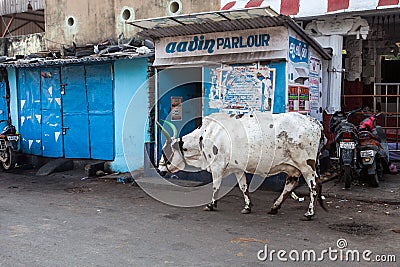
{"points": [[306, 8]]}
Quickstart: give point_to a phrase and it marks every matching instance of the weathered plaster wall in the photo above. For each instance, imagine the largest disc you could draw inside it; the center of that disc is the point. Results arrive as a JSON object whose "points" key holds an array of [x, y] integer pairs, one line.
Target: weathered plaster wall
{"points": [[78, 21], [88, 21], [131, 112], [22, 45]]}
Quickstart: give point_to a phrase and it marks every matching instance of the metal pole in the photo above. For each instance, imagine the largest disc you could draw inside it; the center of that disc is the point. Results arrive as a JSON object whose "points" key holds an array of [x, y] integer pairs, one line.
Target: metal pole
{"points": [[386, 103], [8, 26], [397, 118], [374, 97]]}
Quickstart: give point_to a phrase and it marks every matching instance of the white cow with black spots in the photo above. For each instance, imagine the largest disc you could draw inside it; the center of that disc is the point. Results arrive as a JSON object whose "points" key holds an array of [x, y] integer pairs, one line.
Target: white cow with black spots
{"points": [[259, 143]]}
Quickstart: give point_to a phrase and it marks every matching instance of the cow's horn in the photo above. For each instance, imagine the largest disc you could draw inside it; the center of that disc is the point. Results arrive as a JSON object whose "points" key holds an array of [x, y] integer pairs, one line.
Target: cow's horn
{"points": [[166, 134], [173, 128]]}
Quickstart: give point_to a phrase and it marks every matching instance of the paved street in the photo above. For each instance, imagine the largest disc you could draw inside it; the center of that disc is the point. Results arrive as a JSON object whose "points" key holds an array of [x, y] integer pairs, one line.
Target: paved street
{"points": [[60, 220]]}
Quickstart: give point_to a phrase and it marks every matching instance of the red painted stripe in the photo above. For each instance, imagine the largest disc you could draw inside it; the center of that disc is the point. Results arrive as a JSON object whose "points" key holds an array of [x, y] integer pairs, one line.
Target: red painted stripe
{"points": [[290, 7], [228, 5], [388, 2], [254, 3], [334, 5]]}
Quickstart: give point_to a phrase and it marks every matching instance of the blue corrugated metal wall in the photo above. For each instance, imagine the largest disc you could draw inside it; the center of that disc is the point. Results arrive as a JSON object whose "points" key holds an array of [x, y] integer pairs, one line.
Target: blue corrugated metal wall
{"points": [[101, 112], [75, 112], [3, 104], [67, 111], [30, 110], [51, 119]]}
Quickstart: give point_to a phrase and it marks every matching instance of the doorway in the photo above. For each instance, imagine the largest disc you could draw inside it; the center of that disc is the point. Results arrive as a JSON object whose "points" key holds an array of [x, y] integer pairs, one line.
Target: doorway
{"points": [[179, 100]]}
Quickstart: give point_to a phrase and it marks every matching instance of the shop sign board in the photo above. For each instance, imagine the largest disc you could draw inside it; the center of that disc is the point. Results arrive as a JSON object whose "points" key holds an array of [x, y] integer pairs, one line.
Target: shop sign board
{"points": [[217, 43]]}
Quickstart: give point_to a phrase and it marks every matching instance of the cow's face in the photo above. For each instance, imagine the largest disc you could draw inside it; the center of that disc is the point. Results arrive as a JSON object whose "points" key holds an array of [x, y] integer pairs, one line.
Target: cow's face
{"points": [[172, 157]]}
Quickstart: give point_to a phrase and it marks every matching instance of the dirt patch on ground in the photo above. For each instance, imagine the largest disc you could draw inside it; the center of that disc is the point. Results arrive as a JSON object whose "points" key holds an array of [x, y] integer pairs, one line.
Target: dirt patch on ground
{"points": [[78, 189], [355, 228]]}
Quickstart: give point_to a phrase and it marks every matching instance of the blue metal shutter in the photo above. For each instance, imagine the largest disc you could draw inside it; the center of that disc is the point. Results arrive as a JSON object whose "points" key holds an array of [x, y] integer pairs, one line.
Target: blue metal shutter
{"points": [[99, 83], [75, 112], [3, 104], [51, 119], [29, 104]]}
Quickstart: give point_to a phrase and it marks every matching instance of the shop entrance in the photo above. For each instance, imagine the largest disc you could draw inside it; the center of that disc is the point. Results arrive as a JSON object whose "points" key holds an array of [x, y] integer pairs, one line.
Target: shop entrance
{"points": [[382, 97], [387, 100], [179, 100]]}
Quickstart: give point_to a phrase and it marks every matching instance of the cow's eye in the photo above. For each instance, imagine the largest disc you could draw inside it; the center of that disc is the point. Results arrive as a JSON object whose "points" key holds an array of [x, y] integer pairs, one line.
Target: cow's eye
{"points": [[185, 149], [175, 146]]}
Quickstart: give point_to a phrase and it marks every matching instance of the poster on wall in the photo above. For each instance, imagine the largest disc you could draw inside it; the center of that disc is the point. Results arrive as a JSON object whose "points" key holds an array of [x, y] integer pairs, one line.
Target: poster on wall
{"points": [[315, 66], [241, 88], [299, 98], [176, 108], [315, 83], [314, 93]]}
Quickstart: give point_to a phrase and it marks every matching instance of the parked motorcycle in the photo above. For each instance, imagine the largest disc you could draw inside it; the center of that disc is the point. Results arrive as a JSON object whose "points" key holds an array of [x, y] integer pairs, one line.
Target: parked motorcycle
{"points": [[346, 139], [8, 146], [372, 150]]}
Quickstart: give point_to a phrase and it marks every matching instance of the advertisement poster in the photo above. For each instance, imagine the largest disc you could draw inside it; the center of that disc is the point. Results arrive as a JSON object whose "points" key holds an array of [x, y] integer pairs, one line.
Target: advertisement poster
{"points": [[176, 108], [304, 99], [314, 93], [315, 66], [293, 98], [242, 88], [315, 83], [299, 98]]}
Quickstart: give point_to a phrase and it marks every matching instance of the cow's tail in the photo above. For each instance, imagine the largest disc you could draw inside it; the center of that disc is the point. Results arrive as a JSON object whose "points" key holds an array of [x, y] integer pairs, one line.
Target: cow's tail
{"points": [[319, 196], [322, 146], [322, 142]]}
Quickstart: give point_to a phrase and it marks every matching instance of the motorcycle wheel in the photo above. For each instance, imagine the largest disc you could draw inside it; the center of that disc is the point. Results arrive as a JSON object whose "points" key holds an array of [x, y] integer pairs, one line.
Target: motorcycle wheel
{"points": [[374, 180], [347, 176], [10, 161]]}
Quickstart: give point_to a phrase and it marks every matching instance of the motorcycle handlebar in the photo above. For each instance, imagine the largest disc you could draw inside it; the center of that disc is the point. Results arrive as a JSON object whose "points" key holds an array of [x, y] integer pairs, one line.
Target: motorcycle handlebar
{"points": [[353, 111], [375, 115]]}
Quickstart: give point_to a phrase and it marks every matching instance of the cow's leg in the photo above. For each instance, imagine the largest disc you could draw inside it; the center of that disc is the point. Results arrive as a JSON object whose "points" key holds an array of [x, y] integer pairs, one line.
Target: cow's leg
{"points": [[291, 183], [217, 179], [310, 177], [241, 178]]}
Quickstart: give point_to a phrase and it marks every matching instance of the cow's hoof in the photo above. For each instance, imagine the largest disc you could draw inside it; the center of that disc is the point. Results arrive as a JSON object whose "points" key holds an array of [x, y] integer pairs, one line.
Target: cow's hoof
{"points": [[209, 207], [273, 211], [246, 211], [307, 217]]}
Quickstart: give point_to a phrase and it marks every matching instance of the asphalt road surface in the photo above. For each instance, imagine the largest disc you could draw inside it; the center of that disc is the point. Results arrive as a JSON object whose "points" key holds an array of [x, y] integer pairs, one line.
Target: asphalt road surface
{"points": [[60, 220]]}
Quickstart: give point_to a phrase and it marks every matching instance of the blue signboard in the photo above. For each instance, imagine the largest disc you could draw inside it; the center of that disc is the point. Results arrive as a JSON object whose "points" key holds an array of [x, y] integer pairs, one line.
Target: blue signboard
{"points": [[298, 51]]}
